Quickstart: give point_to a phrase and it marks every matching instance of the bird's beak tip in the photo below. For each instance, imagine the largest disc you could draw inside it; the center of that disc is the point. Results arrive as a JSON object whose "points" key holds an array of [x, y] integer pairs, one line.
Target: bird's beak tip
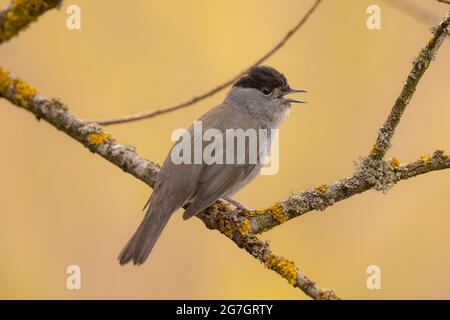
{"points": [[292, 100], [295, 100], [297, 91]]}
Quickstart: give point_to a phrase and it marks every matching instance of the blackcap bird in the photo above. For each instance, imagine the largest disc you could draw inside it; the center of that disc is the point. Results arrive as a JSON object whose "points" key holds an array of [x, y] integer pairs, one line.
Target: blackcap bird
{"points": [[257, 101]]}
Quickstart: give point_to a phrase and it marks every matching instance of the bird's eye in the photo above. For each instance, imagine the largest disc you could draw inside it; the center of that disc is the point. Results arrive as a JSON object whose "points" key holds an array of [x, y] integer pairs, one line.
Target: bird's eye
{"points": [[266, 91]]}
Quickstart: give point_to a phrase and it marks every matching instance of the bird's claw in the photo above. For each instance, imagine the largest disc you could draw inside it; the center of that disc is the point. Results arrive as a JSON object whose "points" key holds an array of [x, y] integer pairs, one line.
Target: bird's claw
{"points": [[239, 206]]}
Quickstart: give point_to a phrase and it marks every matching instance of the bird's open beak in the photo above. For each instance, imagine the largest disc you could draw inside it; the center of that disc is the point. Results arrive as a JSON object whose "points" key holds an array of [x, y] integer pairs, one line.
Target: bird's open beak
{"points": [[290, 91]]}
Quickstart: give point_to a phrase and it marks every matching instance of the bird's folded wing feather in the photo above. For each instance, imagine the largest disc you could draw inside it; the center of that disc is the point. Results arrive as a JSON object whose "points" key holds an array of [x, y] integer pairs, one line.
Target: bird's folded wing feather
{"points": [[217, 180]]}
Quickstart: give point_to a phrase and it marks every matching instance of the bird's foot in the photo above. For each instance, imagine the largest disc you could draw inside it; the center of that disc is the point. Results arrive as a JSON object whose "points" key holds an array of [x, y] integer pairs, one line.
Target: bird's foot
{"points": [[237, 204]]}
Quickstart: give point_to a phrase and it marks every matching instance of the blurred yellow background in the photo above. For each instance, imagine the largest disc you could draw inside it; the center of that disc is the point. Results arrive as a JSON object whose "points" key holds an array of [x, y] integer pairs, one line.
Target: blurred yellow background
{"points": [[62, 205]]}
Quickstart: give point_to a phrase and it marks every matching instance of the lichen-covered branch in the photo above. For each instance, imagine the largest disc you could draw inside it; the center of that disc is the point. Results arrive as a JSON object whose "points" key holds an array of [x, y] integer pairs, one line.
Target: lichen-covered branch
{"points": [[237, 227], [93, 137], [18, 14], [194, 100], [420, 65], [370, 174]]}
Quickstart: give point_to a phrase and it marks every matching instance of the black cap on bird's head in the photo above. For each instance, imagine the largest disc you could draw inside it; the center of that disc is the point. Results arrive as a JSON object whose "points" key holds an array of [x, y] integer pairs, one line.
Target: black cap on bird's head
{"points": [[266, 79], [262, 77]]}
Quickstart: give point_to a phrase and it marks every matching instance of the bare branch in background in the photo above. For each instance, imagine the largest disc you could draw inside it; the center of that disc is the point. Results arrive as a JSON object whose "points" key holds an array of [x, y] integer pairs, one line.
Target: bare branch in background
{"points": [[157, 112], [18, 14], [372, 172]]}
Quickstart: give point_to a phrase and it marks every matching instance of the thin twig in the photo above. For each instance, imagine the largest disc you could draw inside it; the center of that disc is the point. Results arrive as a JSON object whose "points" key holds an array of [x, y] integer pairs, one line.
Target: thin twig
{"points": [[153, 113]]}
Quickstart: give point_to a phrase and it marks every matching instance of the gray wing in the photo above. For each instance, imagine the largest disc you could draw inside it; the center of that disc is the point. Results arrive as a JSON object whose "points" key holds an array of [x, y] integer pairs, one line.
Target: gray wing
{"points": [[218, 180]]}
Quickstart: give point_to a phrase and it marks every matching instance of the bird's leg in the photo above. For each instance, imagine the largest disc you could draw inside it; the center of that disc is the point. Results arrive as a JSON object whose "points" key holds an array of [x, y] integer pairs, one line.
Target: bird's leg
{"points": [[237, 204]]}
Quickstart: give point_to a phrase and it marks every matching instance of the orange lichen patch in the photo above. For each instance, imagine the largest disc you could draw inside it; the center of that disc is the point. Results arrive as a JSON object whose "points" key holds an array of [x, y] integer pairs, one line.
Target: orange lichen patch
{"points": [[395, 163], [275, 211], [98, 137], [4, 79], [328, 294], [425, 158], [323, 188], [22, 91], [21, 13], [375, 151], [284, 267], [245, 227]]}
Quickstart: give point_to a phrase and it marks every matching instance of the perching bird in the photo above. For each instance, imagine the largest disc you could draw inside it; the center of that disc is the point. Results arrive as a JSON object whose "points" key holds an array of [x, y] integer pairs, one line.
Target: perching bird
{"points": [[256, 101]]}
